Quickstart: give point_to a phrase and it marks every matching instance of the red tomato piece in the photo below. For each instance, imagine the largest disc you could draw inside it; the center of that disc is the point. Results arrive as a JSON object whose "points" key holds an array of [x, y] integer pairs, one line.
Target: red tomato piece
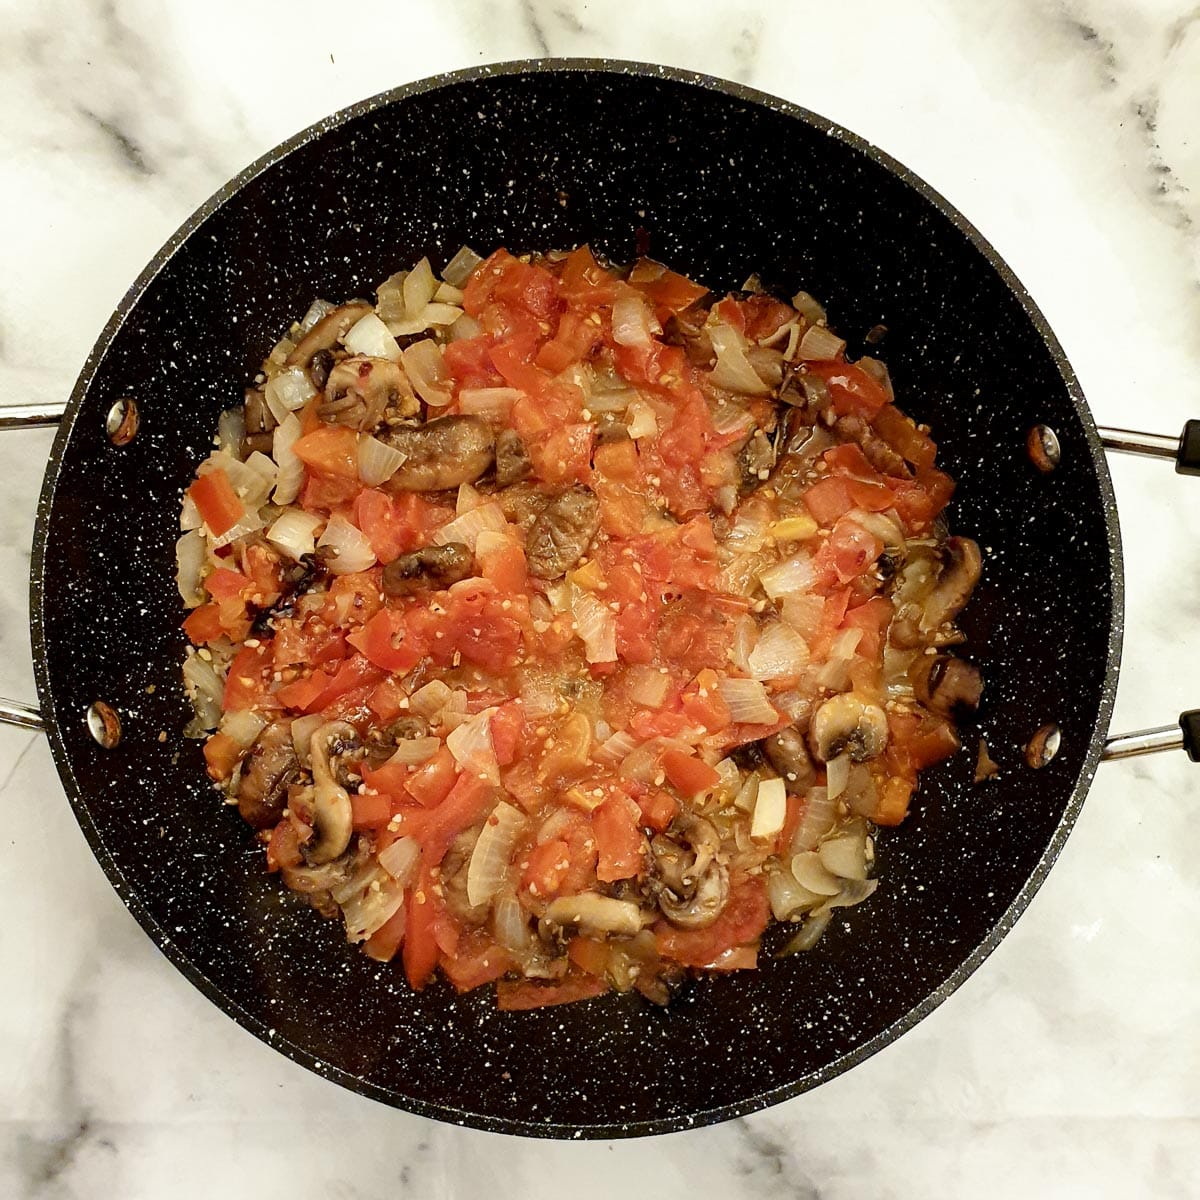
{"points": [[386, 641], [203, 625], [245, 684], [689, 774], [619, 842], [222, 754], [901, 433], [466, 802], [508, 732], [219, 506], [370, 811], [331, 450], [852, 550], [420, 934], [431, 782], [476, 960], [659, 809], [851, 389], [546, 868], [519, 995]]}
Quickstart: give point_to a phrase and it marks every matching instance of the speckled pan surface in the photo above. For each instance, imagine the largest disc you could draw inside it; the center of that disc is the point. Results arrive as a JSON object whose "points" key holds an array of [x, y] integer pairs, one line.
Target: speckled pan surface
{"points": [[727, 182]]}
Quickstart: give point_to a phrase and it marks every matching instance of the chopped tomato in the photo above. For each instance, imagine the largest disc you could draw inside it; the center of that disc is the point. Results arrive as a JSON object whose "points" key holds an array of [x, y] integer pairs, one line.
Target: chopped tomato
{"points": [[482, 630], [219, 506], [893, 798], [851, 389], [851, 550], [466, 802], [222, 754], [386, 641], [370, 811], [203, 625], [546, 868], [619, 841], [508, 731], [903, 435], [476, 960], [469, 360], [382, 523], [431, 782], [385, 700], [659, 809], [564, 455], [618, 483], [668, 291], [584, 282], [872, 618], [694, 635], [691, 775], [420, 935], [505, 566], [703, 704], [246, 682], [590, 955], [385, 941], [519, 995], [283, 850], [330, 450], [390, 780]]}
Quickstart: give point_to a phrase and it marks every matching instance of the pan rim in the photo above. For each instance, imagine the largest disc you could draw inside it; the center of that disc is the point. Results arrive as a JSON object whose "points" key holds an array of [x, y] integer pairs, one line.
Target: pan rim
{"points": [[443, 1112]]}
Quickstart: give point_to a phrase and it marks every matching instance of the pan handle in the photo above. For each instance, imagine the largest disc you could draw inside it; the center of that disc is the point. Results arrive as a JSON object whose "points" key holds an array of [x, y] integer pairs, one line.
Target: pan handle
{"points": [[31, 416], [13, 712], [1184, 449], [1184, 735]]}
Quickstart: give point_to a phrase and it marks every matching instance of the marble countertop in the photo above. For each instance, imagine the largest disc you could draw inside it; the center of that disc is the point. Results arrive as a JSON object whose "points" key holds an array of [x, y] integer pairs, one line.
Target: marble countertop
{"points": [[1067, 1066]]}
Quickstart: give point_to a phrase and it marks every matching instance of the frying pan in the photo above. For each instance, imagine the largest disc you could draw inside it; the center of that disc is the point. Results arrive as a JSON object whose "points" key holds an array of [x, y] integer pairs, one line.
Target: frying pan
{"points": [[725, 182]]}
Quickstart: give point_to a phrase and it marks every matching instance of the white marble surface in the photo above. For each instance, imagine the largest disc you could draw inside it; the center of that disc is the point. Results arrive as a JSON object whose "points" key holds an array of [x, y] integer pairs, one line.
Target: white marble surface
{"points": [[1068, 1066]]}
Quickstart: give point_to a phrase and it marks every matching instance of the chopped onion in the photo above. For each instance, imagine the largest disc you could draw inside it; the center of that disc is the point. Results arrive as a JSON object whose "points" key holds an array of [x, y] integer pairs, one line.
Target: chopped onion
{"points": [[302, 731], [747, 702], [779, 653], [787, 897], [251, 522], [811, 873], [647, 686], [853, 891], [372, 908], [733, 370], [747, 795], [845, 855], [837, 771], [804, 612], [243, 726], [190, 556], [731, 779], [377, 461], [370, 336], [730, 418], [642, 421], [291, 470], [467, 527], [294, 533], [231, 430], [820, 344], [615, 749], [447, 293], [540, 694], [410, 751], [418, 288], [493, 849], [259, 478], [611, 400], [464, 329], [835, 674], [861, 794], [287, 391], [400, 859], [795, 574], [427, 372], [809, 935], [633, 322], [429, 700], [510, 923], [189, 514], [596, 625], [460, 268], [471, 745], [811, 309], [816, 819], [495, 403], [770, 810], [316, 310], [205, 689], [348, 548], [745, 636]]}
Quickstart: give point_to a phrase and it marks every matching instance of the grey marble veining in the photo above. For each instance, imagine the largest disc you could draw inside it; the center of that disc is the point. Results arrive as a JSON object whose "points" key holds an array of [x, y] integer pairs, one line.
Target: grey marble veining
{"points": [[1067, 1065]]}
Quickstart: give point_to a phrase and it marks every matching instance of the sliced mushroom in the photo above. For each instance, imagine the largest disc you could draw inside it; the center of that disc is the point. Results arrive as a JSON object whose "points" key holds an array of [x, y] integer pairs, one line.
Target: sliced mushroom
{"points": [[593, 913], [407, 728], [706, 903], [332, 816], [431, 567], [878, 453], [562, 532], [945, 684], [848, 724], [787, 753], [756, 459], [512, 459], [319, 368], [266, 772], [361, 389], [325, 333], [441, 454], [960, 573]]}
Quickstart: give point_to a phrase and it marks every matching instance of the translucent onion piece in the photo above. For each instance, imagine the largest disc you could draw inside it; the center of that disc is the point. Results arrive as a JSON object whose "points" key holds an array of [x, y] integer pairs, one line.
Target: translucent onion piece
{"points": [[633, 322], [289, 390], [302, 730], [427, 372], [250, 523], [809, 872], [779, 653], [809, 935], [465, 328], [804, 612], [733, 370], [189, 514], [372, 910], [266, 472], [347, 548], [845, 855], [377, 461], [647, 686], [747, 702], [471, 745], [495, 403], [243, 726], [811, 309], [642, 421], [470, 525], [795, 574], [853, 891], [770, 810], [370, 336], [294, 533], [191, 553], [745, 635], [447, 293], [205, 689], [418, 288], [400, 859], [861, 794], [816, 819], [460, 267], [787, 897], [820, 345], [291, 470], [596, 625], [510, 923], [493, 850], [747, 794], [837, 772], [316, 310], [615, 749], [540, 693], [410, 751], [231, 430], [429, 700]]}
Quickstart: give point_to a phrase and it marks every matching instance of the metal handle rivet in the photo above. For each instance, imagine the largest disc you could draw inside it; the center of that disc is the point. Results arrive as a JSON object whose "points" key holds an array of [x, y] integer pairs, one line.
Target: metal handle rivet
{"points": [[121, 424], [103, 724], [1043, 746], [1045, 451]]}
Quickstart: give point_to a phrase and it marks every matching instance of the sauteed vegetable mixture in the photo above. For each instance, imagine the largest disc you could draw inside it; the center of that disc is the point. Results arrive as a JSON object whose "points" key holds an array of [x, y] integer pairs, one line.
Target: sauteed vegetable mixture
{"points": [[562, 625]]}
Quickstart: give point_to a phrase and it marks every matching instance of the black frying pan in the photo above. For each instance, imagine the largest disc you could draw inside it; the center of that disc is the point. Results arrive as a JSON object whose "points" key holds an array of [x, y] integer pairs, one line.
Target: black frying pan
{"points": [[726, 181]]}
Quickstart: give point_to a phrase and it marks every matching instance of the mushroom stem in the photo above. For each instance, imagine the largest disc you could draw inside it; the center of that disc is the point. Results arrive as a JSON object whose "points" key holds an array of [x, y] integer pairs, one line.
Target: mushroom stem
{"points": [[332, 814]]}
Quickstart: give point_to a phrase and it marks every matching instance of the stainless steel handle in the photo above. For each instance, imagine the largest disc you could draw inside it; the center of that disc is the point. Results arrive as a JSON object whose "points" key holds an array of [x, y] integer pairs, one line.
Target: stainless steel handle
{"points": [[13, 712], [1144, 741], [1130, 441], [31, 416]]}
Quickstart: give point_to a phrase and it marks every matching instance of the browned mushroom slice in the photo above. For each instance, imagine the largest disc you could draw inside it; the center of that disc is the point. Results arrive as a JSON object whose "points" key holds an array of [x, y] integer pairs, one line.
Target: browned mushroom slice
{"points": [[266, 772], [325, 333], [788, 754], [562, 532], [441, 454], [431, 567], [361, 390], [848, 724], [512, 459], [960, 573], [945, 684], [332, 814]]}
